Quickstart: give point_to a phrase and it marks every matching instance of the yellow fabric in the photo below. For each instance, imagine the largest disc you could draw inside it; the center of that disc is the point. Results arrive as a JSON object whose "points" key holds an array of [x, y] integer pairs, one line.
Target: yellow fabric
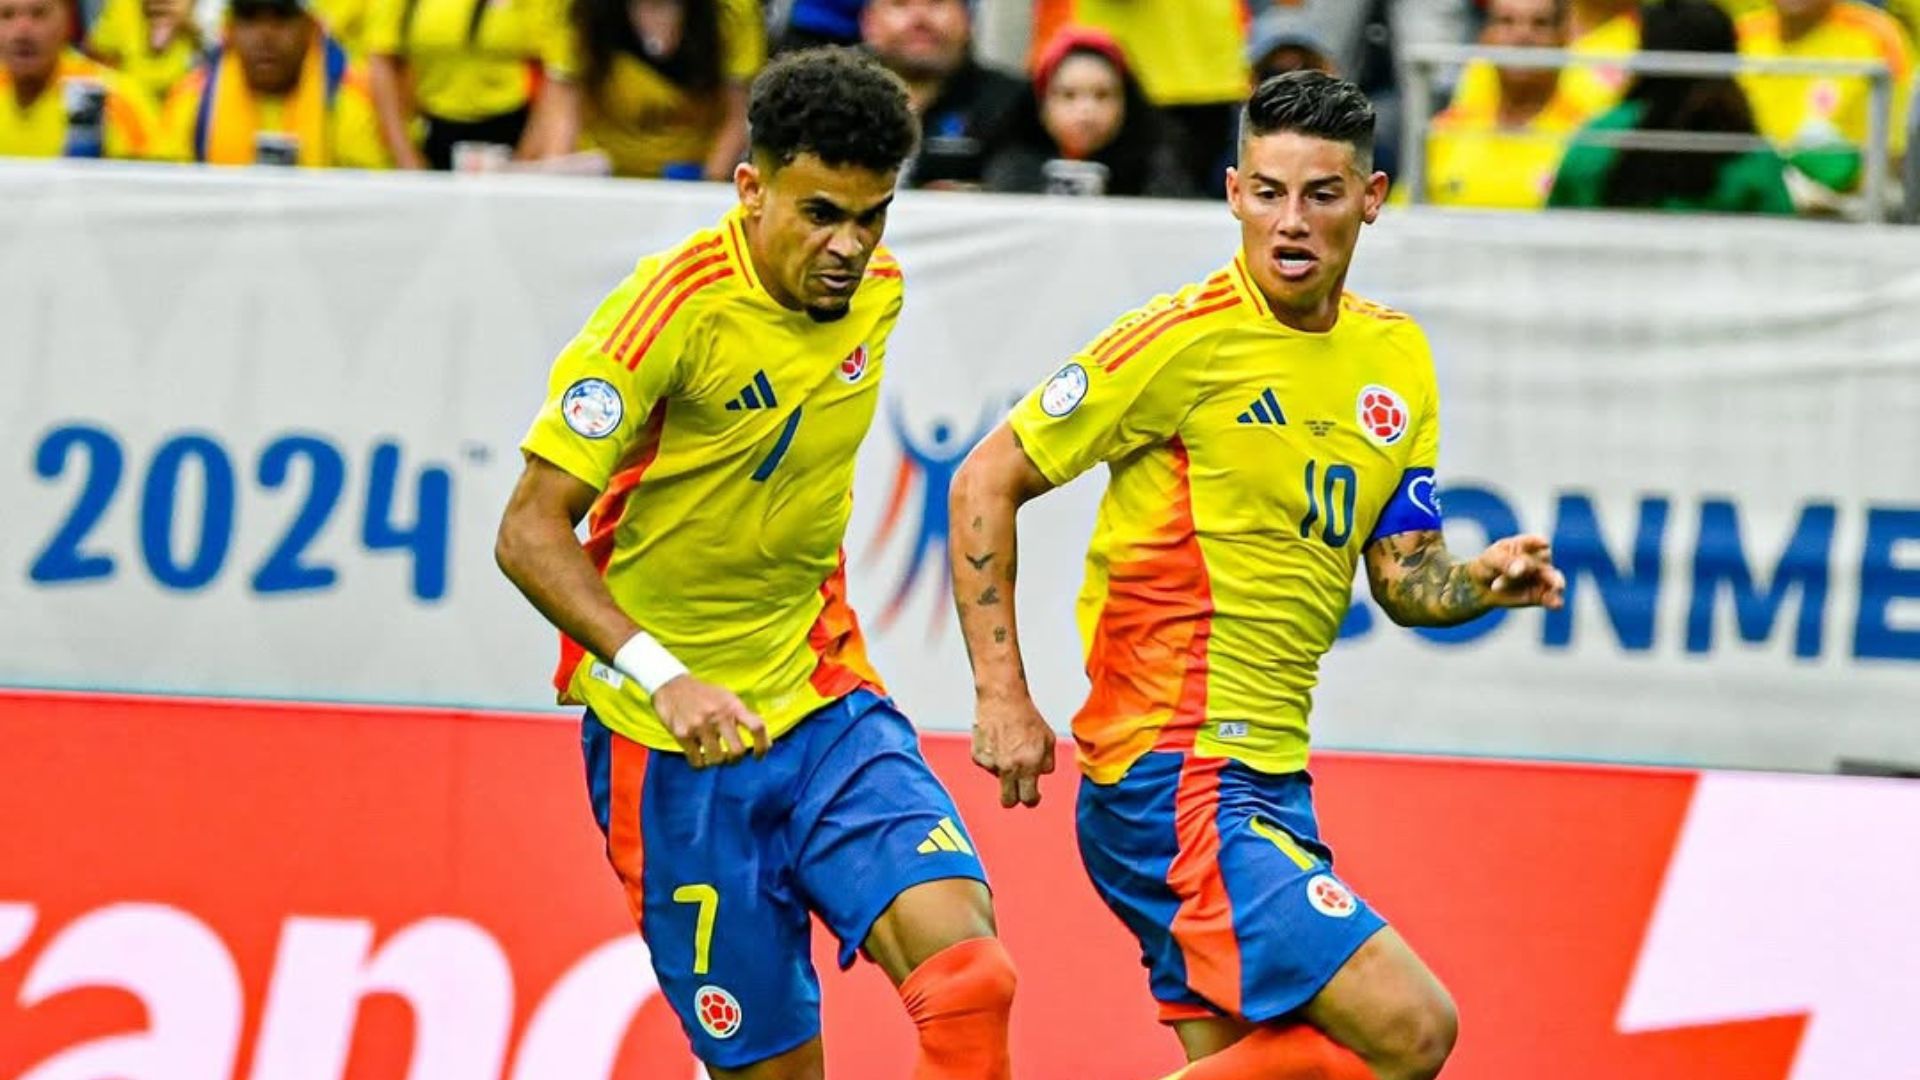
{"points": [[346, 22], [738, 577], [1473, 161], [1188, 53], [645, 122], [132, 127], [1802, 111], [345, 134], [1224, 552], [120, 37], [458, 78], [1591, 89]]}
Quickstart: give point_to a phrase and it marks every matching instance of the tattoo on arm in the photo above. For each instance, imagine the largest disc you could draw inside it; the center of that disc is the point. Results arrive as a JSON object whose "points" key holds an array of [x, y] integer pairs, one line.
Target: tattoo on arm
{"points": [[989, 597], [999, 635], [980, 561], [1431, 587]]}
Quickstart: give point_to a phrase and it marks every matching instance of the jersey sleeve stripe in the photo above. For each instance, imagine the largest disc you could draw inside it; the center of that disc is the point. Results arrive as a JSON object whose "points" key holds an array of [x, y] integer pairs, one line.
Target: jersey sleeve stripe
{"points": [[604, 520], [653, 288], [1149, 327], [883, 271], [660, 296], [1197, 313], [632, 360]]}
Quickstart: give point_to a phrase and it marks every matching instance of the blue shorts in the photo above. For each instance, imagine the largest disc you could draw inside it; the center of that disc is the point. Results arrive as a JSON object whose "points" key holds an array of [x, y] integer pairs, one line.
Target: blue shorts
{"points": [[1219, 870], [723, 865]]}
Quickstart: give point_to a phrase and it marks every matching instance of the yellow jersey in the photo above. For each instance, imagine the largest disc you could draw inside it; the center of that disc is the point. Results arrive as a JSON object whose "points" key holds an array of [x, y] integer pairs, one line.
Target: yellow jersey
{"points": [[721, 430], [129, 121], [471, 59], [1473, 161], [1250, 463], [213, 116], [1799, 112], [645, 121], [1188, 53], [120, 37]]}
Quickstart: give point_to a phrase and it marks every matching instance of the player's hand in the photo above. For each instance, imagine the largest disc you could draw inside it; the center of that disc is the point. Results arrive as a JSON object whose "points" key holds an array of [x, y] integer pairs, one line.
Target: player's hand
{"points": [[1518, 572], [1013, 741], [706, 720]]}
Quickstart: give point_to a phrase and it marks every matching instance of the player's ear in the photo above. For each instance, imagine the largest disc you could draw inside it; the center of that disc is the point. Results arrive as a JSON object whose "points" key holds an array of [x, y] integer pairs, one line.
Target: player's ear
{"points": [[1376, 196], [751, 186], [1233, 191]]}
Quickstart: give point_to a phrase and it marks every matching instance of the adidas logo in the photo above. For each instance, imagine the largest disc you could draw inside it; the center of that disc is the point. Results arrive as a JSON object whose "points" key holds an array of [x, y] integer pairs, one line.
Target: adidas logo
{"points": [[945, 837], [757, 394], [1265, 410]]}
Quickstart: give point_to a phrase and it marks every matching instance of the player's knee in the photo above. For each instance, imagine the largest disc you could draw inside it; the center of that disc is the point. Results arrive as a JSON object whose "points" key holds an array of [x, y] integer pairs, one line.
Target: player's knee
{"points": [[1419, 1038], [988, 978], [973, 978]]}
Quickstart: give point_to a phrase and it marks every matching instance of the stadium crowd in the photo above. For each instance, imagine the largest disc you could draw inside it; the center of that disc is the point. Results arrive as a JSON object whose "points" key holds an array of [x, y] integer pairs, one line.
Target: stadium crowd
{"points": [[1133, 98]]}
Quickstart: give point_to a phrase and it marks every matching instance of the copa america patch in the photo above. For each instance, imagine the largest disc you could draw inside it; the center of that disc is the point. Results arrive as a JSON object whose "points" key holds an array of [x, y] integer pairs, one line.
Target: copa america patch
{"points": [[1064, 392], [593, 408], [718, 1011], [1330, 898], [1382, 414], [854, 367]]}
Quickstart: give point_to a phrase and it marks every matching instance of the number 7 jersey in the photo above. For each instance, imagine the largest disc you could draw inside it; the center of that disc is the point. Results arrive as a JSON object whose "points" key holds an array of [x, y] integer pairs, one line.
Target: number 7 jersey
{"points": [[1251, 464]]}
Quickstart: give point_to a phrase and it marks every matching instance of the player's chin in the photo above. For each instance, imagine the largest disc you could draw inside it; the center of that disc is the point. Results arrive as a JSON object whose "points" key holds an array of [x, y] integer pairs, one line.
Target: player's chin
{"points": [[829, 309]]}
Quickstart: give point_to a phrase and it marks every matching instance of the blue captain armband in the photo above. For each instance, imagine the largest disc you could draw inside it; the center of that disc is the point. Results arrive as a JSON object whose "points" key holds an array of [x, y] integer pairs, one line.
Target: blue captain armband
{"points": [[1415, 506]]}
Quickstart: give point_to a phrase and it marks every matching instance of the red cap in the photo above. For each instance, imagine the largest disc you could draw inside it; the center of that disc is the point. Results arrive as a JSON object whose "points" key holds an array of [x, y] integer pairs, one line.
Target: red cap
{"points": [[1072, 39]]}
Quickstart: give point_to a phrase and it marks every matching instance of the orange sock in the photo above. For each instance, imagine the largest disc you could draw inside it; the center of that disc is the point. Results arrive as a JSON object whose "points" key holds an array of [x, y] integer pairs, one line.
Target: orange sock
{"points": [[959, 1000], [1300, 1052]]}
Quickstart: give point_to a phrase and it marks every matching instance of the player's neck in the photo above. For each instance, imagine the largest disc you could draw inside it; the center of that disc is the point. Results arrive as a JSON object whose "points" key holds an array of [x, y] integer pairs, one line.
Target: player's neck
{"points": [[763, 267], [1318, 319]]}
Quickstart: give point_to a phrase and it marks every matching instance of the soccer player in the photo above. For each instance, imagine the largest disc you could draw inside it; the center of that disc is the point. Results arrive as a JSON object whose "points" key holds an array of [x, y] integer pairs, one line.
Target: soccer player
{"points": [[1265, 431], [708, 416]]}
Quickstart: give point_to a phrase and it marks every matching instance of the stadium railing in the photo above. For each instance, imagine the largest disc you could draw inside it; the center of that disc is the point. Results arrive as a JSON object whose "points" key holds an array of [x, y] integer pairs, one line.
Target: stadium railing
{"points": [[1421, 62]]}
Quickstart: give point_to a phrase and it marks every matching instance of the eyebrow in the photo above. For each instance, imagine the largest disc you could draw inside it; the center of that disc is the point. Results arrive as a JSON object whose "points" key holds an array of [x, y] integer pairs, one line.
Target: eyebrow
{"points": [[1318, 181], [823, 201]]}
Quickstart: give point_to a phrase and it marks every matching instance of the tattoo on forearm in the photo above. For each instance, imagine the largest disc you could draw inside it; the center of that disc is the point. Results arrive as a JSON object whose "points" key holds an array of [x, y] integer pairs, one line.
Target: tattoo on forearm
{"points": [[999, 635], [1432, 589], [989, 597], [980, 561]]}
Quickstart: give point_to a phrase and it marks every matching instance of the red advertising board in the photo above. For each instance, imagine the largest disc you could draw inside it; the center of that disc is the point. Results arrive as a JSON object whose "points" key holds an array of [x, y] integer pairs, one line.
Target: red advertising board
{"points": [[205, 890]]}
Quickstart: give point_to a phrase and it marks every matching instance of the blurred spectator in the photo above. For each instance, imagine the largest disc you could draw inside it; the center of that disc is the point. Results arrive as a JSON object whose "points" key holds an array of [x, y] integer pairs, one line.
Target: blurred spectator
{"points": [[280, 93], [963, 105], [1285, 39], [153, 42], [1821, 123], [663, 83], [1504, 154], [55, 102], [452, 72], [1190, 55], [1089, 129], [1719, 180], [810, 23], [1597, 29]]}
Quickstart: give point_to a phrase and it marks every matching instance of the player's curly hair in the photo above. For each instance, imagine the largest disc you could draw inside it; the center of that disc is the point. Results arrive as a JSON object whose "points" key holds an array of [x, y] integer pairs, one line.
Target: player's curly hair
{"points": [[1312, 103], [837, 104]]}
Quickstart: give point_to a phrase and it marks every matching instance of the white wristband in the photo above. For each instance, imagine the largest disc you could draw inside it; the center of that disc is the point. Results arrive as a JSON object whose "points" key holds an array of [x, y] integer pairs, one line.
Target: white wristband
{"points": [[647, 662]]}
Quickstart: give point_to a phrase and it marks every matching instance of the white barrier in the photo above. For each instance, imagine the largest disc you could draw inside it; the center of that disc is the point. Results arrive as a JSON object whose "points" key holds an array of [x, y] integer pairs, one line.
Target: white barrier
{"points": [[255, 434]]}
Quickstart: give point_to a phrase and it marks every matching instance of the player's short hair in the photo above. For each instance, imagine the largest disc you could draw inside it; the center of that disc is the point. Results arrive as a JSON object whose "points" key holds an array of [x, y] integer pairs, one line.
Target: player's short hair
{"points": [[1316, 104], [837, 104]]}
